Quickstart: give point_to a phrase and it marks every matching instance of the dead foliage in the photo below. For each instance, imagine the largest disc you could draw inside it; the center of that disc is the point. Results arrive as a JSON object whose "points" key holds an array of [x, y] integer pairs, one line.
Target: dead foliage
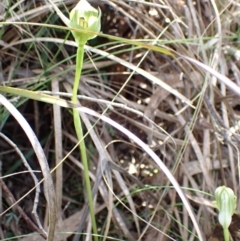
{"points": [[198, 143]]}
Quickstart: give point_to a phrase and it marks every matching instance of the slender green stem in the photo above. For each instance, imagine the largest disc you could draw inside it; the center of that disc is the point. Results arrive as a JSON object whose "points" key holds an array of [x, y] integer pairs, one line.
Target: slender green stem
{"points": [[79, 132], [226, 234]]}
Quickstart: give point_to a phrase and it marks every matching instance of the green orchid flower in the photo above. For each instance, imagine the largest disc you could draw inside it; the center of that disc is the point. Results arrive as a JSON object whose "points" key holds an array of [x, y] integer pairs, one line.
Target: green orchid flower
{"points": [[85, 17], [82, 17], [226, 203]]}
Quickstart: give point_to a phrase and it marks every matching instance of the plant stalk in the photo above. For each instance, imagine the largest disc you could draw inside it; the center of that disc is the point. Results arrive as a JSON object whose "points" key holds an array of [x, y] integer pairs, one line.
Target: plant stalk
{"points": [[79, 132], [226, 234]]}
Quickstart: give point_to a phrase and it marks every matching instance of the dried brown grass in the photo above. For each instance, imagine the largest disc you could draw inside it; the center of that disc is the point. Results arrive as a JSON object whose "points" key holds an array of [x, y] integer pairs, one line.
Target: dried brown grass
{"points": [[195, 144]]}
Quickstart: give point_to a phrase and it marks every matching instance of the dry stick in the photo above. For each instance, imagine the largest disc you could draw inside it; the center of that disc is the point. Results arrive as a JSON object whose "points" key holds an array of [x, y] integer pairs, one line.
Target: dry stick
{"points": [[21, 212], [48, 182], [225, 117], [25, 163], [58, 149]]}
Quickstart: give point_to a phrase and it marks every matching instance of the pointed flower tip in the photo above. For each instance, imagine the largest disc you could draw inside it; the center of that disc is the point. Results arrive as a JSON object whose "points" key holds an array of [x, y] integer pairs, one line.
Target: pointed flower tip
{"points": [[85, 17]]}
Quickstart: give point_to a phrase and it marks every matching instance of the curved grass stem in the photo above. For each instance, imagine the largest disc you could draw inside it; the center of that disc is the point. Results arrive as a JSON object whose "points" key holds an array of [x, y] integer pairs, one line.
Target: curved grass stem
{"points": [[79, 132]]}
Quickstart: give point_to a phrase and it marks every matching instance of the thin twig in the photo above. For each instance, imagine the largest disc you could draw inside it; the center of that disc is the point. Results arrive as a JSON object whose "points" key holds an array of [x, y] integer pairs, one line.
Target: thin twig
{"points": [[25, 163], [21, 212], [58, 148]]}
